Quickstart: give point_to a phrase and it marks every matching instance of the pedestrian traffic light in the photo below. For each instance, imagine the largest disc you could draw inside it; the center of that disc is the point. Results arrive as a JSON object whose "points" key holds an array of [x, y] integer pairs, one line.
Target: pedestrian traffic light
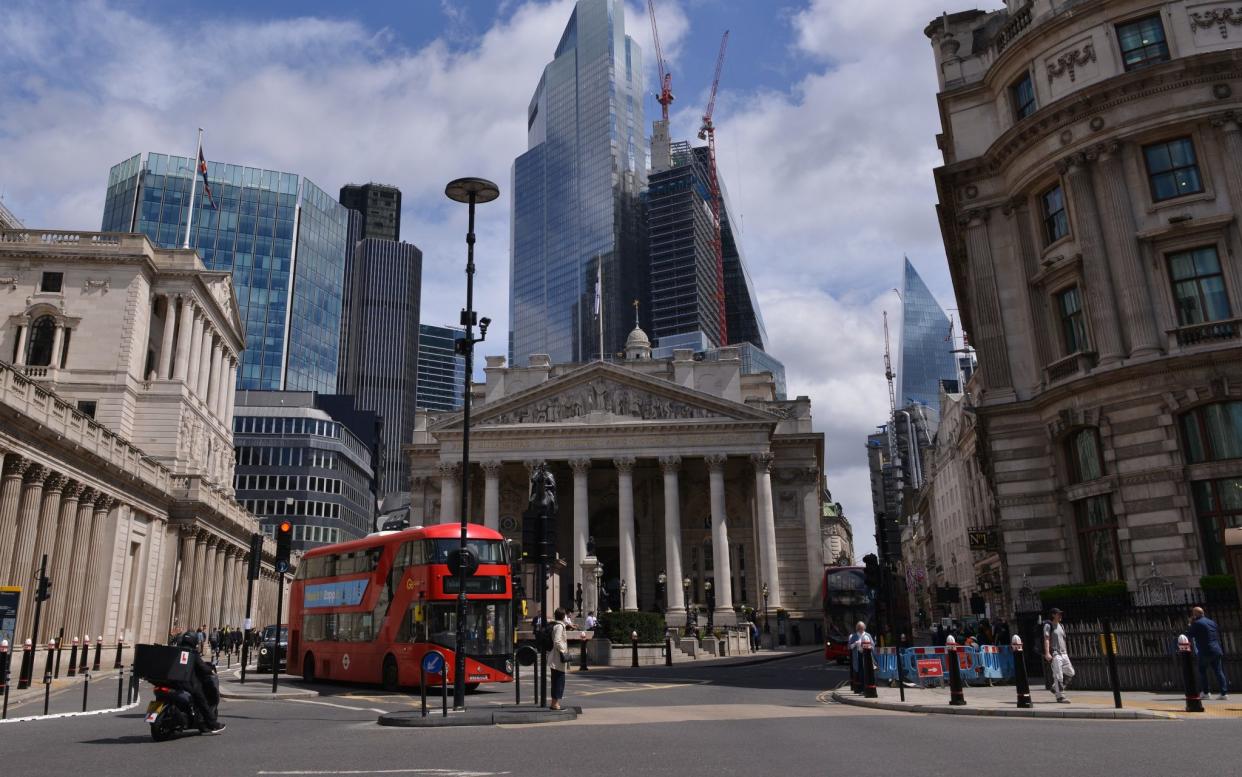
{"points": [[44, 591], [284, 545]]}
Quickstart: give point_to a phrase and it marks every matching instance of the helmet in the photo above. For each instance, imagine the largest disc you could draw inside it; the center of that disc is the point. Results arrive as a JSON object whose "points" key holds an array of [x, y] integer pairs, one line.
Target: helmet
{"points": [[188, 640]]}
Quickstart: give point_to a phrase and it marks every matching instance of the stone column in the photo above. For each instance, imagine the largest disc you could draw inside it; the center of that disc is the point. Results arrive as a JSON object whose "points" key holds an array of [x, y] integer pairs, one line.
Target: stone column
{"points": [[10, 499], [676, 601], [228, 610], [988, 332], [79, 561], [23, 332], [1097, 277], [449, 497], [58, 342], [1019, 214], [491, 493], [722, 568], [1230, 126], [100, 562], [625, 530], [222, 385], [767, 525], [211, 580], [582, 523], [59, 562], [166, 340], [24, 569], [185, 577], [811, 519], [186, 314], [45, 539], [199, 584], [1117, 217], [230, 392], [204, 362], [213, 379], [194, 360]]}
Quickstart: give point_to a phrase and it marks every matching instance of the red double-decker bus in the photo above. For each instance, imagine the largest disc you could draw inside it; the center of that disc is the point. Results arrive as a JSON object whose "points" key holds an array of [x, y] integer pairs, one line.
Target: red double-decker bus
{"points": [[847, 600], [367, 611]]}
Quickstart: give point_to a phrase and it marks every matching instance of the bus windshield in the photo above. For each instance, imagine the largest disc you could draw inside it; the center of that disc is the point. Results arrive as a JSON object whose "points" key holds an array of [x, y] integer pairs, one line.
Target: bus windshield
{"points": [[487, 627], [488, 551], [847, 600]]}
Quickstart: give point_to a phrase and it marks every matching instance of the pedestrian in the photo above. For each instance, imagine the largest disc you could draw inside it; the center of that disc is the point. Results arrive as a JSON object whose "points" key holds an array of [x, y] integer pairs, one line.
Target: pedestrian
{"points": [[1056, 655], [1206, 635], [558, 659], [1002, 636], [201, 635], [855, 645], [214, 641], [754, 635]]}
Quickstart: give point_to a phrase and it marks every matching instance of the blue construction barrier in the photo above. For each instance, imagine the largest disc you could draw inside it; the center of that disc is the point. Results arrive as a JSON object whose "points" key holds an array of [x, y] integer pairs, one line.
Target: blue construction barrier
{"points": [[978, 664], [886, 659]]}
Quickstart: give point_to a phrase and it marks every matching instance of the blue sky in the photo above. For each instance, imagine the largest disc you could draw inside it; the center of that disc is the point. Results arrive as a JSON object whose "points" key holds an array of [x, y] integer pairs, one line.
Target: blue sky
{"points": [[826, 138]]}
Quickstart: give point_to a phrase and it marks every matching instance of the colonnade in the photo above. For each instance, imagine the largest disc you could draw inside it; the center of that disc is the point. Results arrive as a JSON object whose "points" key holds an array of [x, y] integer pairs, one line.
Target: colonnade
{"points": [[212, 584], [193, 351]]}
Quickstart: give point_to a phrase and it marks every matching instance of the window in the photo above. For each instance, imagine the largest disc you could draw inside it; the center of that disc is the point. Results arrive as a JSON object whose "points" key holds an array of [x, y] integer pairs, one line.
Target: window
{"points": [[1198, 286], [42, 337], [1023, 91], [1083, 453], [1213, 432], [87, 407], [1172, 169], [1073, 324], [1142, 42], [52, 282], [1218, 504], [1056, 221], [1097, 539]]}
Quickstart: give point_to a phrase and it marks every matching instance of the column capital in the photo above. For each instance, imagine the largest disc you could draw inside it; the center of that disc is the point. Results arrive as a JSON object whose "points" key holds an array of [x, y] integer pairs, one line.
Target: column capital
{"points": [[670, 464], [624, 463], [55, 483], [715, 462], [580, 466], [448, 469], [762, 461], [87, 496], [37, 473], [1076, 164], [15, 466], [492, 467], [73, 490], [104, 503], [1229, 121]]}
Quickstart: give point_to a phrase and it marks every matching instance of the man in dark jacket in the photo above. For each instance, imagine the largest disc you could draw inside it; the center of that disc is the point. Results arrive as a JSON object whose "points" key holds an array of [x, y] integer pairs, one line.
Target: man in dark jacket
{"points": [[1206, 636], [201, 686]]}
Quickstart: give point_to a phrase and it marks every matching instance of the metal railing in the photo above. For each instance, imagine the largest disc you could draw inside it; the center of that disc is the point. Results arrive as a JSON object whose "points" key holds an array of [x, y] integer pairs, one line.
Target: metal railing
{"points": [[1015, 27], [1207, 332]]}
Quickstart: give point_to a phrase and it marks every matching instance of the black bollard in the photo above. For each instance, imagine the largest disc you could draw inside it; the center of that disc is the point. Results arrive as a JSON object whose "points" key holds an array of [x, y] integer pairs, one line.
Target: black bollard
{"points": [[60, 647], [117, 663], [120, 687], [1194, 700], [517, 688], [868, 670], [73, 659], [86, 649], [856, 685], [86, 688], [634, 649], [6, 660], [1110, 650], [26, 672], [47, 675], [956, 697], [668, 650], [582, 656], [1020, 680], [98, 652]]}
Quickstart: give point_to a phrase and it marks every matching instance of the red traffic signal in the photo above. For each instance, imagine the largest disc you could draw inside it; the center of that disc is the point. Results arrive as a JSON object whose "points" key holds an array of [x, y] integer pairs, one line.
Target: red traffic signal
{"points": [[284, 545]]}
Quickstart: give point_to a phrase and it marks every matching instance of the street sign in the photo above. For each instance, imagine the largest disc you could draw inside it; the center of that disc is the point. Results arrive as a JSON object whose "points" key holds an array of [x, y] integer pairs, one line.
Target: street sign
{"points": [[10, 597], [982, 538], [433, 662], [930, 667]]}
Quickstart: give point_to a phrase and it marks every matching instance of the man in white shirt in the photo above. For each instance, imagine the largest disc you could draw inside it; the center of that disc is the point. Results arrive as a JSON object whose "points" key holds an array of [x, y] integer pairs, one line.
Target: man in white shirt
{"points": [[855, 645], [1056, 655]]}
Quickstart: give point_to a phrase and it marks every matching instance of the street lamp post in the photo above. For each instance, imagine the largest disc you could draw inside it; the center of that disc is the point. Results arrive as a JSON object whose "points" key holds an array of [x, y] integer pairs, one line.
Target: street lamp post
{"points": [[471, 191], [685, 587], [766, 630], [621, 604], [711, 604], [599, 591], [661, 591]]}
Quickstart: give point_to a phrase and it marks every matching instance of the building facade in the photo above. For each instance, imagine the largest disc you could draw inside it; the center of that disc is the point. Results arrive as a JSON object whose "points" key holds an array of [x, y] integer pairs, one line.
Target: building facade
{"points": [[577, 212], [115, 394], [379, 345], [1090, 202], [380, 206], [282, 238], [441, 370], [674, 467], [838, 534], [308, 458], [925, 351]]}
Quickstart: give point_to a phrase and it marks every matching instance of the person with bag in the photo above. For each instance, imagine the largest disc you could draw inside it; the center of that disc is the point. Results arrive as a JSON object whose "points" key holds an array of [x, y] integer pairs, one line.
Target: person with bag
{"points": [[558, 658], [1056, 655]]}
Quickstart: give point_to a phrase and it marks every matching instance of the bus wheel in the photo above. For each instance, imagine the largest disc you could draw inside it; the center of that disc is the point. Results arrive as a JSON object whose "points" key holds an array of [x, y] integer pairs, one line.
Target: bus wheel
{"points": [[388, 679], [472, 687], [308, 668]]}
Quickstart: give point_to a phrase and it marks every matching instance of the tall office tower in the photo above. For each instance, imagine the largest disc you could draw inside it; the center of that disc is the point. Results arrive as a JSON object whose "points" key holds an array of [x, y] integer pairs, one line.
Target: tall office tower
{"points": [[441, 371], [281, 236], [925, 351], [576, 196], [684, 311], [380, 206], [379, 345]]}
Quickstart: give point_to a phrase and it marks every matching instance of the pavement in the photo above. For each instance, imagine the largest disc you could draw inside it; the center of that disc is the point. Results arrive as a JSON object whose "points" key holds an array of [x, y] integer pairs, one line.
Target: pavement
{"points": [[728, 718]]}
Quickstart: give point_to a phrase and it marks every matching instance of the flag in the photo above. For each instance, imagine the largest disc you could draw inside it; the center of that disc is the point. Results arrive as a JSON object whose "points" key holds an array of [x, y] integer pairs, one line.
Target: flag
{"points": [[599, 282], [202, 170]]}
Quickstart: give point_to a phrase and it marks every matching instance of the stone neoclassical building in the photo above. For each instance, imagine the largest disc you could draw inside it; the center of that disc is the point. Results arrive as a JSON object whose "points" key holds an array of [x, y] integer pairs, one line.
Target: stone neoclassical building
{"points": [[675, 466], [117, 367], [1090, 203]]}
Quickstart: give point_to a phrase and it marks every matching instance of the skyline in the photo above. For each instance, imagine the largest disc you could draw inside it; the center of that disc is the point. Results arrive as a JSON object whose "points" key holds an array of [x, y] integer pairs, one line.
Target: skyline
{"points": [[332, 89]]}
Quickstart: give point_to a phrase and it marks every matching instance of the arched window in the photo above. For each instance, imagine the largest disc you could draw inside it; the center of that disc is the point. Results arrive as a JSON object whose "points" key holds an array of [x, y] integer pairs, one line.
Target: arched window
{"points": [[39, 347], [1082, 451], [1213, 432]]}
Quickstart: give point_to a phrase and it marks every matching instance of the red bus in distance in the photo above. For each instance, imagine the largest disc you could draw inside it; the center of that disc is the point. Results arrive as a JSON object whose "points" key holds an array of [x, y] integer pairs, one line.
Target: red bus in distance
{"points": [[368, 610], [847, 600]]}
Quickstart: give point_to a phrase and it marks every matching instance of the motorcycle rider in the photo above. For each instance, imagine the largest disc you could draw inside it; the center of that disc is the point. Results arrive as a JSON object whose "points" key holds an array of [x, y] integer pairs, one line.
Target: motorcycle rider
{"points": [[200, 684]]}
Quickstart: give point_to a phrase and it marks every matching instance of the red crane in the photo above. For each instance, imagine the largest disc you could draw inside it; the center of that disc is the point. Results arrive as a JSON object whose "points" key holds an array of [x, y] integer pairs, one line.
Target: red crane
{"points": [[708, 132], [666, 78]]}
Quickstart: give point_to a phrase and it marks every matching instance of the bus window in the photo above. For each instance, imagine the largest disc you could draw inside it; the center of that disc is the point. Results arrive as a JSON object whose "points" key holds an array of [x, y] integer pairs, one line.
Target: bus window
{"points": [[487, 627]]}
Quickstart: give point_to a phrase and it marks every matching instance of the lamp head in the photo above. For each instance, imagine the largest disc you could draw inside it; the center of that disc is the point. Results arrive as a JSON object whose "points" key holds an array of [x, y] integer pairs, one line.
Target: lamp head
{"points": [[461, 190]]}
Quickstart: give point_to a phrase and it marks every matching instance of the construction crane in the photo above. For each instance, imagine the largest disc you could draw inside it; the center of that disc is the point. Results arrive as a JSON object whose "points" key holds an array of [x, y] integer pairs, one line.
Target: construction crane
{"points": [[892, 395], [708, 132], [666, 78]]}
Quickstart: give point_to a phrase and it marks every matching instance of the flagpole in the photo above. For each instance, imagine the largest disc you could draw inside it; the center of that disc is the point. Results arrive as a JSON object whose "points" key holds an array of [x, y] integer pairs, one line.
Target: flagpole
{"points": [[599, 267], [189, 216]]}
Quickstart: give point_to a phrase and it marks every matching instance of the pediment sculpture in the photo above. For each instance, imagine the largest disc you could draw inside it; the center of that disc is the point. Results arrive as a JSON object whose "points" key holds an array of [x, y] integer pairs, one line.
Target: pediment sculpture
{"points": [[604, 396]]}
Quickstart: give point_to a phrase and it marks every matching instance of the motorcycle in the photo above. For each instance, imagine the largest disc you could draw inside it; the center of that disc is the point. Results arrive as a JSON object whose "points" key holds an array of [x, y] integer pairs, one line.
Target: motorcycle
{"points": [[172, 710]]}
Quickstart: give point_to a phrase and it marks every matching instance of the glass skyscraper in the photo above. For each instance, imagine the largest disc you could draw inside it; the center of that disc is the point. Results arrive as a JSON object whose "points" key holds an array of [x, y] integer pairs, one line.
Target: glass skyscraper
{"points": [[441, 370], [282, 237], [925, 351], [577, 206]]}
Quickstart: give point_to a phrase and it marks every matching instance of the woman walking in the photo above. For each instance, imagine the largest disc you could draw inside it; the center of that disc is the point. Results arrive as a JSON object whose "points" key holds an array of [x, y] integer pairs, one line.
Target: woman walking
{"points": [[558, 660]]}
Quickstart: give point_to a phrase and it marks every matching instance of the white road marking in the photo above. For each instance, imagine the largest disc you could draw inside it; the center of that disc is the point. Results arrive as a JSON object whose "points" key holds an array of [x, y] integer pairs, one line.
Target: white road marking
{"points": [[442, 772], [71, 714], [329, 704]]}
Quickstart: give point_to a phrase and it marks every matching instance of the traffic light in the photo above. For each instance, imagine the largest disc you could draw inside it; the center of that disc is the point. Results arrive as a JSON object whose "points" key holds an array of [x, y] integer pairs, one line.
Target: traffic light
{"points": [[256, 556], [871, 571], [44, 591], [284, 545]]}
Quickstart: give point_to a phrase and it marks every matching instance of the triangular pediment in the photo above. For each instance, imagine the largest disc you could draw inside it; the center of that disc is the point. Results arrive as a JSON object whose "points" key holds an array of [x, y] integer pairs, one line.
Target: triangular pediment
{"points": [[605, 393]]}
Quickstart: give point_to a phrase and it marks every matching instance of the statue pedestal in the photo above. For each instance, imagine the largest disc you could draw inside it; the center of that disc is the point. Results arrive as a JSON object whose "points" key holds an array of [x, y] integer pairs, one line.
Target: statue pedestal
{"points": [[590, 588]]}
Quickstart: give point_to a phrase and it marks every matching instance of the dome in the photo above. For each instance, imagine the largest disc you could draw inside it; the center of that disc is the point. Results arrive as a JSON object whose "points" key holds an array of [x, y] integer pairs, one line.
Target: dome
{"points": [[637, 339]]}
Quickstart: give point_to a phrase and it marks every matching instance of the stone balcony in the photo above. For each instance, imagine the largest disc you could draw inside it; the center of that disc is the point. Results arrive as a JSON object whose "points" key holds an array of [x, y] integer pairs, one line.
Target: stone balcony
{"points": [[1072, 366], [1206, 333]]}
